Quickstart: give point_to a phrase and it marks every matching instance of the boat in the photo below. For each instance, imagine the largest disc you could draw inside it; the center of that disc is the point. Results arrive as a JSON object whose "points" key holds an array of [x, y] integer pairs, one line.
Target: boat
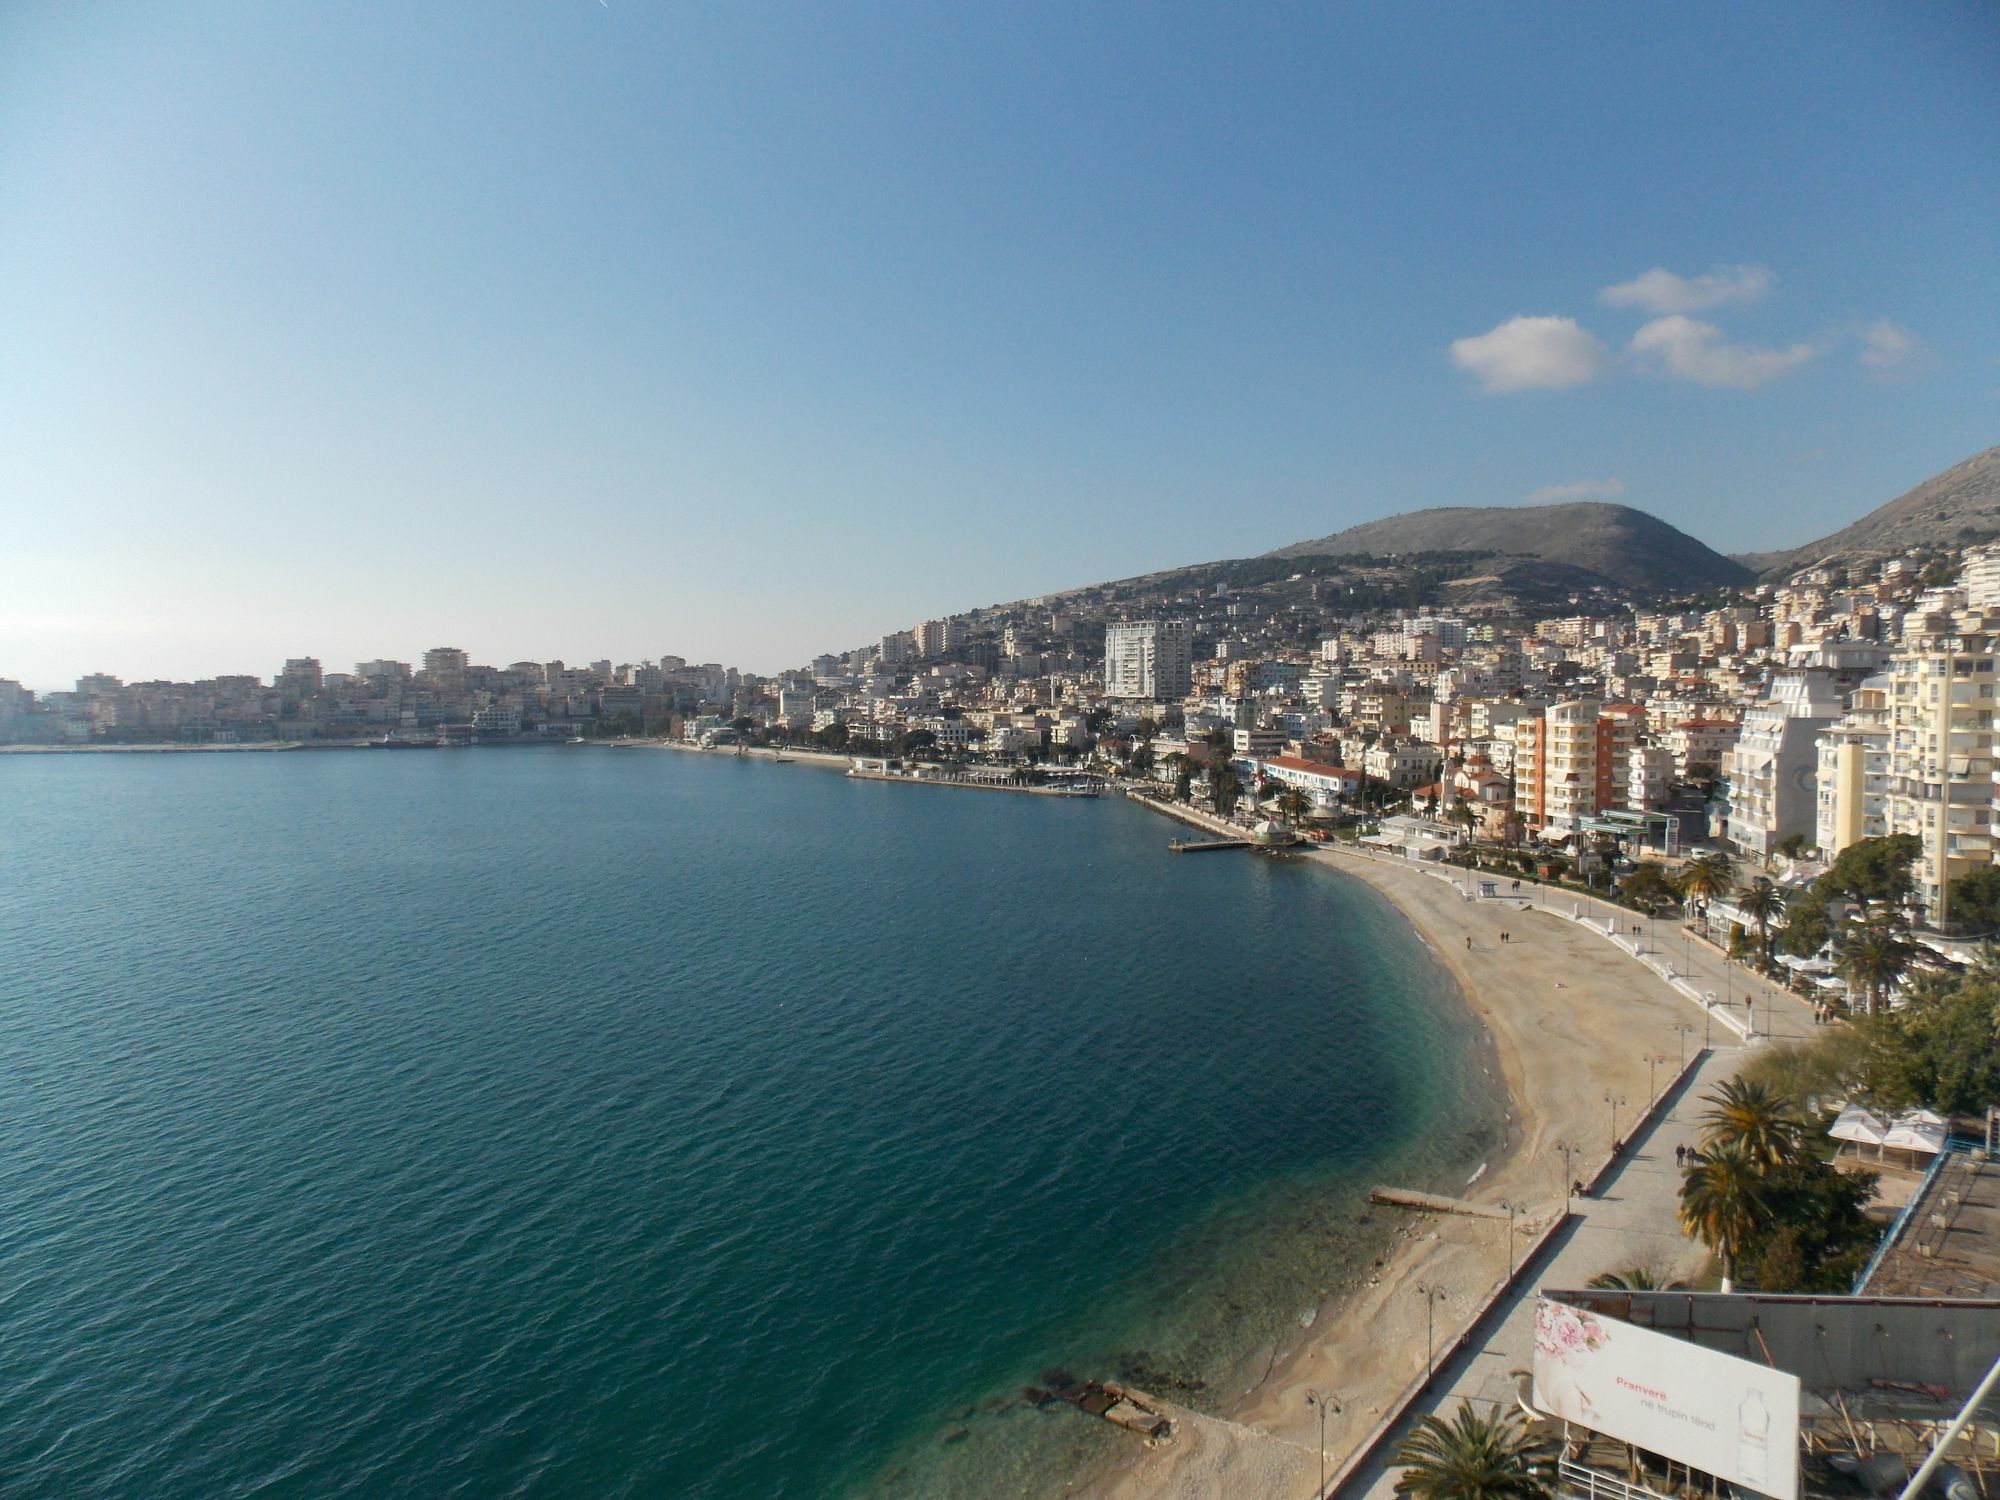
{"points": [[394, 742]]}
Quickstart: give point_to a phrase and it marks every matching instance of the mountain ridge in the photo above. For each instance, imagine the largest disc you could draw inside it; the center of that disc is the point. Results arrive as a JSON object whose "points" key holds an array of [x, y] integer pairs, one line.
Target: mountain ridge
{"points": [[1618, 543], [1955, 507]]}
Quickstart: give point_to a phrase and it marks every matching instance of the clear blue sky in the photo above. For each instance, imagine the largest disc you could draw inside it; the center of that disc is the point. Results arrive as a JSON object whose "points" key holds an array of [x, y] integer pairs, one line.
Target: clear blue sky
{"points": [[579, 329]]}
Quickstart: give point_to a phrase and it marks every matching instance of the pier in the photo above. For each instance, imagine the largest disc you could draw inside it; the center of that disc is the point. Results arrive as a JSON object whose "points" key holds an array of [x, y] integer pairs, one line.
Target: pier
{"points": [[1202, 846], [986, 778], [1434, 1203]]}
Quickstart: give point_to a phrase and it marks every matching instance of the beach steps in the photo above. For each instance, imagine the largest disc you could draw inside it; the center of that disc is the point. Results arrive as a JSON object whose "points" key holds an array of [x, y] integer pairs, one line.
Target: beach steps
{"points": [[1435, 1203]]}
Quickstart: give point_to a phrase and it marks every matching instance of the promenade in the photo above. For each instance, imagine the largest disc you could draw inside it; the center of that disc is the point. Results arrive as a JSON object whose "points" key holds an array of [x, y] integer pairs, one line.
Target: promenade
{"points": [[1729, 999], [1629, 1219]]}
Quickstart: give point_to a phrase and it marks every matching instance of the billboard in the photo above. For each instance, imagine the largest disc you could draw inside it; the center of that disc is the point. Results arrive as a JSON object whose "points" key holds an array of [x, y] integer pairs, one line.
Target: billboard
{"points": [[1725, 1416]]}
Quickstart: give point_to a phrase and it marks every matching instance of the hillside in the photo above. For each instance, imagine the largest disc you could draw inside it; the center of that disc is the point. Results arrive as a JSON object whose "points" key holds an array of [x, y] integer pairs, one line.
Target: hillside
{"points": [[1636, 551], [1952, 509]]}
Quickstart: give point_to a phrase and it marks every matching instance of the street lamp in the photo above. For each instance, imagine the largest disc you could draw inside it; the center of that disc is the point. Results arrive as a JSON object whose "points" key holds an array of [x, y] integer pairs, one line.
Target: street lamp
{"points": [[1569, 1170], [1322, 1400], [1432, 1296], [1512, 1209], [1686, 1031], [1614, 1101], [1653, 1060]]}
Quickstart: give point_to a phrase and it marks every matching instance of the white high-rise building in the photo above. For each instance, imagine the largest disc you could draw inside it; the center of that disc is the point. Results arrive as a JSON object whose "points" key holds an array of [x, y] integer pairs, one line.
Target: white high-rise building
{"points": [[1151, 659], [1941, 761], [1854, 771]]}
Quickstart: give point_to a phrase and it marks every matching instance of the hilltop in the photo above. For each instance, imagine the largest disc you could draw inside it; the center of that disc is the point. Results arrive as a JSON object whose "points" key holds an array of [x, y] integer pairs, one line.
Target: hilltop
{"points": [[1613, 543], [1957, 508]]}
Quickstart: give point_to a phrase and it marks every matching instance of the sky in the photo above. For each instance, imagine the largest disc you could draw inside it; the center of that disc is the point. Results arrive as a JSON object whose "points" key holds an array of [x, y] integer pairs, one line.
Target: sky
{"points": [[586, 328]]}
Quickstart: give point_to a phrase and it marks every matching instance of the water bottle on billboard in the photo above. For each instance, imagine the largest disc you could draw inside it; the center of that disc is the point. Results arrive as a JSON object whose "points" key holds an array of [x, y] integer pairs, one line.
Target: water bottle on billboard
{"points": [[1753, 1440]]}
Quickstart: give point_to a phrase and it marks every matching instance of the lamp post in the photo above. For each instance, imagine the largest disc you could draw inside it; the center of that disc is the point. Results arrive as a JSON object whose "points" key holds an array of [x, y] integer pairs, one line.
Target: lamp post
{"points": [[1512, 1209], [1322, 1400], [1569, 1171], [1432, 1296], [1614, 1101], [1686, 1031], [1653, 1061]]}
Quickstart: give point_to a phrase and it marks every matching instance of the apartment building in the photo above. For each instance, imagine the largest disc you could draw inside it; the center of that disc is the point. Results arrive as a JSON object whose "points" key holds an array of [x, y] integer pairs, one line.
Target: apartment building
{"points": [[1564, 766], [1941, 749], [1151, 659], [1852, 794]]}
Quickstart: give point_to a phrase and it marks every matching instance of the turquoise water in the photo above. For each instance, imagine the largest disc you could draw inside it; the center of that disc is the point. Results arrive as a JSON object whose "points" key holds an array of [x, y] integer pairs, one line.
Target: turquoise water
{"points": [[617, 1122]]}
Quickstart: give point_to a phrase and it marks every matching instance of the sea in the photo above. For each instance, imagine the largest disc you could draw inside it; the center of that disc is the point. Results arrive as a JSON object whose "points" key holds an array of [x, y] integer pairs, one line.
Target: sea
{"points": [[611, 1121]]}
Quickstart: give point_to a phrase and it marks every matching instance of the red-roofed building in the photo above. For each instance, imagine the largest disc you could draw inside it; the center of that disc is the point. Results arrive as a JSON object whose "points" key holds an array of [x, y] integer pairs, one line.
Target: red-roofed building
{"points": [[1324, 783]]}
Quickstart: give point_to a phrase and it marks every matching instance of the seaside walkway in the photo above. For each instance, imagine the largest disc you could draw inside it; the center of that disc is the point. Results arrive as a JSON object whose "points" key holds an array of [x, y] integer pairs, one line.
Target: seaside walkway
{"points": [[1696, 968], [1630, 1218], [1629, 1221]]}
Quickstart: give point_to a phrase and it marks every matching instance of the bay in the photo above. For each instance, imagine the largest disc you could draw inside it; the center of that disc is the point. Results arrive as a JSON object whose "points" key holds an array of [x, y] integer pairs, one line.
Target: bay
{"points": [[599, 1121]]}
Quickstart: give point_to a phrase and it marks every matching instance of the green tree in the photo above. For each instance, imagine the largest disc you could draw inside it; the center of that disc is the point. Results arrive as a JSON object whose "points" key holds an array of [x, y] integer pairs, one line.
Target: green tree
{"points": [[1293, 805], [1702, 880], [1808, 923], [1792, 845], [1752, 1117], [1647, 889], [1761, 902], [1874, 872], [1723, 1203], [1817, 1234], [1224, 786], [1873, 957], [1973, 900], [1474, 1457], [1634, 1279], [919, 740]]}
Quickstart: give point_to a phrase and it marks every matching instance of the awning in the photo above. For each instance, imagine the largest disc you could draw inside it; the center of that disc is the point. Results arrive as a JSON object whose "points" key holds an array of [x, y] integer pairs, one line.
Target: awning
{"points": [[1862, 1126]]}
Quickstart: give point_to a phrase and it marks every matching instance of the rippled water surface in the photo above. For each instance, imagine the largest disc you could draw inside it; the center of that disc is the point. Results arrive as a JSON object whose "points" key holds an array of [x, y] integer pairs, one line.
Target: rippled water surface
{"points": [[617, 1122]]}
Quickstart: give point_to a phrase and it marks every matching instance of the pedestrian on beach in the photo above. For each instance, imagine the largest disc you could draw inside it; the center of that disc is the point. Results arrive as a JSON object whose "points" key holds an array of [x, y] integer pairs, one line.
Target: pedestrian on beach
{"points": [[1680, 1156]]}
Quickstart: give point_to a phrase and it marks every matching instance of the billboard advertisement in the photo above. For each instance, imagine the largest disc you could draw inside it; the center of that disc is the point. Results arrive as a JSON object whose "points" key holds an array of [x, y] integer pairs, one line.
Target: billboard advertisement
{"points": [[1729, 1417]]}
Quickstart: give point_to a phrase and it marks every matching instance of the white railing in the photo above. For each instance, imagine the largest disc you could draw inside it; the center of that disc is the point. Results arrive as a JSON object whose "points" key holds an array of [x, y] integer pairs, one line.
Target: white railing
{"points": [[1579, 1479]]}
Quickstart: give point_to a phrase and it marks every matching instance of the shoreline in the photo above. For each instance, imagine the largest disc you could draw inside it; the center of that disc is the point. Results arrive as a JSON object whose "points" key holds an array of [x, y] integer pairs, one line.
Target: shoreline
{"points": [[1567, 1019]]}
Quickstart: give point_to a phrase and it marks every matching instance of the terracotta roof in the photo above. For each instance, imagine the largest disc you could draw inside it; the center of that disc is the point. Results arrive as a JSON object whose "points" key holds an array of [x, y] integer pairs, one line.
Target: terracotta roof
{"points": [[1300, 763]]}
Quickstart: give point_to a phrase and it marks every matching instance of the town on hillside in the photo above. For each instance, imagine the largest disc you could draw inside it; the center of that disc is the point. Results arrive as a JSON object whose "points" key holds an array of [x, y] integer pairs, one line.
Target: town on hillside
{"points": [[1782, 722]]}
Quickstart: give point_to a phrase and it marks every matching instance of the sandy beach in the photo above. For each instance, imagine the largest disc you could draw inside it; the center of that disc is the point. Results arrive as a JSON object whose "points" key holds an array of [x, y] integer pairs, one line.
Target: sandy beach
{"points": [[1571, 1019]]}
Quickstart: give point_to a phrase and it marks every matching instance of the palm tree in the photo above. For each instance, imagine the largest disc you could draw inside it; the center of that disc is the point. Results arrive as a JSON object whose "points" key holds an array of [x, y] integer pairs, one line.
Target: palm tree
{"points": [[1474, 1457], [1761, 901], [1751, 1117], [1872, 959], [1225, 786], [1702, 880], [1294, 805], [1634, 1279], [1723, 1203]]}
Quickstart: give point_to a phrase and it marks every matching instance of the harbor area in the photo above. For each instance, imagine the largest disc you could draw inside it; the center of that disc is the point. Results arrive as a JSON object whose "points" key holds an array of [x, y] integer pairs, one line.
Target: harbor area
{"points": [[1038, 780]]}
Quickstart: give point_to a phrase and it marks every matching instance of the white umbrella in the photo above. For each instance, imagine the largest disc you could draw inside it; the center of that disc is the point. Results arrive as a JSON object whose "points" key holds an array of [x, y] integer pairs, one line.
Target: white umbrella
{"points": [[1910, 1133], [1861, 1126]]}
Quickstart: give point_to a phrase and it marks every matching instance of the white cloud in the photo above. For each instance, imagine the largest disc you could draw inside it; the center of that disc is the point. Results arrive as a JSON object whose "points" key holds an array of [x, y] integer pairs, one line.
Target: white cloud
{"points": [[1693, 350], [1582, 489], [1661, 291], [1892, 352], [1526, 354]]}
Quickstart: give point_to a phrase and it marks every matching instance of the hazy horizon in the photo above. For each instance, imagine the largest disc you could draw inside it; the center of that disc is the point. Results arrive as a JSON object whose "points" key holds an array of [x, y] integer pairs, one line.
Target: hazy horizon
{"points": [[572, 331]]}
